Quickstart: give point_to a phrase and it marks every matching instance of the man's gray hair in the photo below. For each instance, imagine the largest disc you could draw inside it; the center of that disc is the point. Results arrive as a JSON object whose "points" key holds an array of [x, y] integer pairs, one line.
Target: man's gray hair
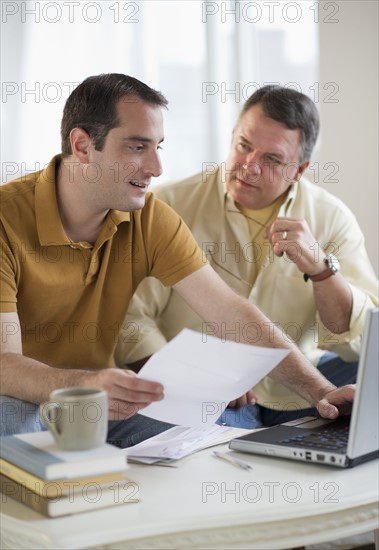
{"points": [[293, 109]]}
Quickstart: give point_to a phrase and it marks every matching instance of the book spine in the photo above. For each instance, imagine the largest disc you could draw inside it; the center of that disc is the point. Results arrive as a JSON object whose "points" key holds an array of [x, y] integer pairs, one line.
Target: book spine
{"points": [[55, 488], [26, 478], [10, 488], [100, 497], [47, 466], [22, 460], [49, 489]]}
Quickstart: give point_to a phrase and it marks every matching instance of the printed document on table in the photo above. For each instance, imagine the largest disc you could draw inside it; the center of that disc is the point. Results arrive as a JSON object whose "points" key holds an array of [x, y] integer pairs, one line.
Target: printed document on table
{"points": [[201, 374], [178, 442]]}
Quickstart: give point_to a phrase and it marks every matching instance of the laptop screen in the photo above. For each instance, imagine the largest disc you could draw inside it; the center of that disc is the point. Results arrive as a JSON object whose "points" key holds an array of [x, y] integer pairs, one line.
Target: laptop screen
{"points": [[364, 424]]}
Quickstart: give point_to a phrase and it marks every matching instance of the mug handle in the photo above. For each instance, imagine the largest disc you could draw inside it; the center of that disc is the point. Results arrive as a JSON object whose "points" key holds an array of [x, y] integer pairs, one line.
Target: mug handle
{"points": [[51, 424]]}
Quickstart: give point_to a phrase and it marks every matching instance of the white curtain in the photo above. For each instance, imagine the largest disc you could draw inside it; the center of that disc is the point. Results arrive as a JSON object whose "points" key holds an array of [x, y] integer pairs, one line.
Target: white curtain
{"points": [[206, 57]]}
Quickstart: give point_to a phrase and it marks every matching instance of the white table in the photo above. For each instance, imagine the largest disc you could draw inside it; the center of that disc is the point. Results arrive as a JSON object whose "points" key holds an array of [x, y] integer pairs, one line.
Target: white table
{"points": [[208, 503]]}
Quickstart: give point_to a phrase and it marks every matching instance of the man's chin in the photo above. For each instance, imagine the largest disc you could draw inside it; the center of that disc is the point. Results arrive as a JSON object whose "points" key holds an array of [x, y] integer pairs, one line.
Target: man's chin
{"points": [[131, 206]]}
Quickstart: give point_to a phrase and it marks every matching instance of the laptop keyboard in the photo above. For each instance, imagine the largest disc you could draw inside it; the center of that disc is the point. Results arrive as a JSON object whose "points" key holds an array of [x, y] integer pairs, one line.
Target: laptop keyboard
{"points": [[331, 439]]}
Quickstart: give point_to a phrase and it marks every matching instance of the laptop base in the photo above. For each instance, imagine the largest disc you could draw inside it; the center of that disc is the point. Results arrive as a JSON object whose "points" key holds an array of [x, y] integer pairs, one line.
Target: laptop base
{"points": [[271, 442]]}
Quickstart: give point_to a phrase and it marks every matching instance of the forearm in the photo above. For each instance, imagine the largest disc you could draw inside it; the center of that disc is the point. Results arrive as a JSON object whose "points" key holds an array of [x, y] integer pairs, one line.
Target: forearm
{"points": [[33, 381], [232, 317], [30, 380], [298, 374], [295, 371], [334, 303]]}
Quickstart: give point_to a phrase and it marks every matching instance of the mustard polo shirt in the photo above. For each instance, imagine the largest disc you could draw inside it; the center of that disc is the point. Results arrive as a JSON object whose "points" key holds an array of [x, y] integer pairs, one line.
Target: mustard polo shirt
{"points": [[71, 298]]}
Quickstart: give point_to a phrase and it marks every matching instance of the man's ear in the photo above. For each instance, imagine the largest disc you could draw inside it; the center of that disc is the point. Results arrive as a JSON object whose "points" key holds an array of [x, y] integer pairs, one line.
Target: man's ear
{"points": [[301, 169], [80, 144]]}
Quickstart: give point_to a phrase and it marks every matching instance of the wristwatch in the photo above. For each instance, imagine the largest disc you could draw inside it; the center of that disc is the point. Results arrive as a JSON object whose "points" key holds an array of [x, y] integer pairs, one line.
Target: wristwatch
{"points": [[332, 266]]}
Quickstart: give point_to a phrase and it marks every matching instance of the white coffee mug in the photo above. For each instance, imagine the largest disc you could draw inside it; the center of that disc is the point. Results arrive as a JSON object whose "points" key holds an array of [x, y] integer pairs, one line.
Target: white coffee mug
{"points": [[77, 417]]}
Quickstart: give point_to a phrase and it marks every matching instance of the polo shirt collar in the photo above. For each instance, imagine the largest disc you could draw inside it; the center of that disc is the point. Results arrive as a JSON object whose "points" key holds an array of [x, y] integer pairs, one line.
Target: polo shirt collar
{"points": [[49, 225], [48, 220], [118, 217]]}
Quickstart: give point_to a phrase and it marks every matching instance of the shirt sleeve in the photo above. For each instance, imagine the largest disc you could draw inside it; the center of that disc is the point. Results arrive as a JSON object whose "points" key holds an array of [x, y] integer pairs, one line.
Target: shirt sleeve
{"points": [[8, 284], [359, 273]]}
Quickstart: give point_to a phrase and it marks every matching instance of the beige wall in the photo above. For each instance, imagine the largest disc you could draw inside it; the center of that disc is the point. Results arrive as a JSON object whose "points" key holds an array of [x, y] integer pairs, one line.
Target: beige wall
{"points": [[349, 133]]}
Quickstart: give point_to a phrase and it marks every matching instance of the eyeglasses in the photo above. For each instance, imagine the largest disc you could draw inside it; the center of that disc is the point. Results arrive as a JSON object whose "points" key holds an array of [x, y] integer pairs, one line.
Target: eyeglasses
{"points": [[230, 273]]}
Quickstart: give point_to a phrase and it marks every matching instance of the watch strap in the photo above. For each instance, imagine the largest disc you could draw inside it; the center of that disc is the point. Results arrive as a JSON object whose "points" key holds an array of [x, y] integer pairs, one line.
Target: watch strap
{"points": [[320, 276]]}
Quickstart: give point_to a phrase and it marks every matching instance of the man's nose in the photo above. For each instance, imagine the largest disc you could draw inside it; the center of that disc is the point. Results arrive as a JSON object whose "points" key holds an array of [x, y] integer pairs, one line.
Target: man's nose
{"points": [[252, 165], [153, 165]]}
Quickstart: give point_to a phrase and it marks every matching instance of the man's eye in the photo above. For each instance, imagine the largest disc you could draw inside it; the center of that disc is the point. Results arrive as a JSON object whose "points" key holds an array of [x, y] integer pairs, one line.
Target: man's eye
{"points": [[242, 146], [273, 160]]}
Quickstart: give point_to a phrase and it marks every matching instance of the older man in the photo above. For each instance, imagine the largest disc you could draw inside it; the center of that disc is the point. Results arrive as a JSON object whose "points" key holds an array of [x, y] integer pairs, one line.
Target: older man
{"points": [[288, 246]]}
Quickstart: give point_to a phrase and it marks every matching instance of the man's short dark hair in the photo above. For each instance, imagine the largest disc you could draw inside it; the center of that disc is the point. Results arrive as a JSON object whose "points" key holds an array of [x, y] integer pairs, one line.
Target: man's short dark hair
{"points": [[93, 106], [293, 109]]}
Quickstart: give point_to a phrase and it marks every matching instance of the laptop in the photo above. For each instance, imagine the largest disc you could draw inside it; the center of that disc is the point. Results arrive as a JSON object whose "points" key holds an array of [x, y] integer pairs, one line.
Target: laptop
{"points": [[344, 442]]}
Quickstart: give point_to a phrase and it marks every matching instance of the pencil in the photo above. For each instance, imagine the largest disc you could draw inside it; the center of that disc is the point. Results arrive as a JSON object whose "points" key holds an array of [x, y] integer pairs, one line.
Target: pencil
{"points": [[233, 460]]}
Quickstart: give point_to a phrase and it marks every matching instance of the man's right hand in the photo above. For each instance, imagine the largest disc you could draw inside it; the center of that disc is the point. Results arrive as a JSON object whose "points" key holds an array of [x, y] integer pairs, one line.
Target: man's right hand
{"points": [[127, 394]]}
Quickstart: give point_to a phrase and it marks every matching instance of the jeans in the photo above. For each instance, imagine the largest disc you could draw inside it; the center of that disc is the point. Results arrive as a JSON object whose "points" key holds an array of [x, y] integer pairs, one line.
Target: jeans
{"points": [[330, 365], [20, 416], [126, 433]]}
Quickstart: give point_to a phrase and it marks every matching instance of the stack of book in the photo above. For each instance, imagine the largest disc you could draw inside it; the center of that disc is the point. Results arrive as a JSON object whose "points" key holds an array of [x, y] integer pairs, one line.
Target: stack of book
{"points": [[34, 471]]}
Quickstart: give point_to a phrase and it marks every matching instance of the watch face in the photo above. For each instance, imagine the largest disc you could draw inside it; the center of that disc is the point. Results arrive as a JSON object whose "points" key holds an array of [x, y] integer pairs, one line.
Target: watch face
{"points": [[332, 262]]}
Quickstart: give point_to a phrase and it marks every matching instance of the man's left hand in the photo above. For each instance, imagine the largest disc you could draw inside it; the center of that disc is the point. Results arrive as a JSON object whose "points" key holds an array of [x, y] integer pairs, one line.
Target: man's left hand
{"points": [[249, 398], [294, 238]]}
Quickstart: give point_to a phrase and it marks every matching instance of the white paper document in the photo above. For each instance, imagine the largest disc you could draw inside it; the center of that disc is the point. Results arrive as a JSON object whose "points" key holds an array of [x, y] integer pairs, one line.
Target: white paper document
{"points": [[176, 443], [201, 374]]}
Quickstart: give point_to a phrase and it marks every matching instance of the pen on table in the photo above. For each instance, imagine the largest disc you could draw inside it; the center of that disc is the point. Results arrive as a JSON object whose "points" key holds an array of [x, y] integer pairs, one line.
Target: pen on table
{"points": [[235, 461]]}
